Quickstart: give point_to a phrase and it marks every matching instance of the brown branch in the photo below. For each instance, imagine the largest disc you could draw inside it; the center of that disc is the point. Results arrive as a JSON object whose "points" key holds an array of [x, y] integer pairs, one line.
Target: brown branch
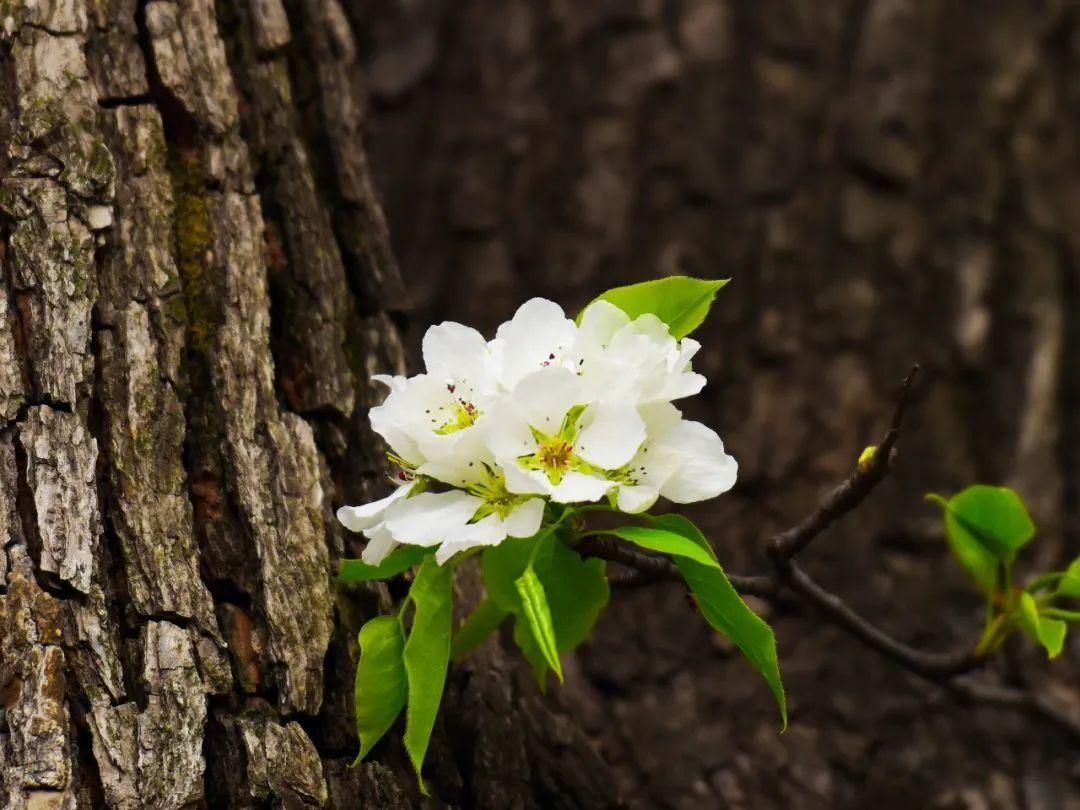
{"points": [[949, 670], [934, 666]]}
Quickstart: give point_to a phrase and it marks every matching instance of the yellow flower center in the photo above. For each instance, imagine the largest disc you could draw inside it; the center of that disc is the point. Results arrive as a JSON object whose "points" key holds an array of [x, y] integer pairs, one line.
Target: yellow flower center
{"points": [[465, 415]]}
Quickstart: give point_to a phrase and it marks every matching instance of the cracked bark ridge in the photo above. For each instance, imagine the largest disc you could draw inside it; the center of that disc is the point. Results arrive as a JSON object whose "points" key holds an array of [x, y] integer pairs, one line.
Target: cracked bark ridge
{"points": [[190, 59], [57, 192], [152, 512], [12, 386], [281, 762], [150, 754], [36, 755], [115, 59], [336, 94], [176, 709], [61, 463], [306, 271], [273, 454]]}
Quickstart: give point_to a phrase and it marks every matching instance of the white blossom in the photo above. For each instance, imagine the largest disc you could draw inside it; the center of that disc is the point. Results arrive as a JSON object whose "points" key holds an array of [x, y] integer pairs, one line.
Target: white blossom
{"points": [[683, 461], [369, 520], [547, 411]]}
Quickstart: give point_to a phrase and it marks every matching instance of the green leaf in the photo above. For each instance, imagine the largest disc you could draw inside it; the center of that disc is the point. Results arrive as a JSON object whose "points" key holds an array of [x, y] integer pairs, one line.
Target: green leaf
{"points": [[1069, 584], [503, 564], [402, 559], [985, 525], [481, 623], [537, 615], [576, 590], [684, 526], [679, 301], [726, 611], [380, 680], [1048, 632], [665, 542], [717, 599], [427, 656]]}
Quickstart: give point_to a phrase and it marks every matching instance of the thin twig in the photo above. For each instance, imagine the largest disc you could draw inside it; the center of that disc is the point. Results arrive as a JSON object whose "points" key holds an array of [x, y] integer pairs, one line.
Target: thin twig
{"points": [[849, 494], [930, 665]]}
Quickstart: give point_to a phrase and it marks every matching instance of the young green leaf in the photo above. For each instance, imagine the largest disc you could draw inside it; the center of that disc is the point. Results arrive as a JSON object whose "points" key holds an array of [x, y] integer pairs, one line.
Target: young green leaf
{"points": [[681, 525], [481, 623], [666, 542], [679, 301], [1048, 632], [427, 656], [537, 616], [717, 599], [985, 525], [576, 591], [503, 564], [400, 560], [380, 680], [1069, 584], [726, 611]]}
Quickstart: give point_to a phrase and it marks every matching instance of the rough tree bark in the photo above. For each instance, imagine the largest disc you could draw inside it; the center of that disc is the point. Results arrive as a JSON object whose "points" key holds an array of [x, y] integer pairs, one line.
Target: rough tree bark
{"points": [[886, 181], [197, 283]]}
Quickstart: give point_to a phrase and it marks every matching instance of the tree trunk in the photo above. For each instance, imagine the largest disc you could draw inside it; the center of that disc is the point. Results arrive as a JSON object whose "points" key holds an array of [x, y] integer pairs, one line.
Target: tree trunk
{"points": [[197, 284], [886, 181]]}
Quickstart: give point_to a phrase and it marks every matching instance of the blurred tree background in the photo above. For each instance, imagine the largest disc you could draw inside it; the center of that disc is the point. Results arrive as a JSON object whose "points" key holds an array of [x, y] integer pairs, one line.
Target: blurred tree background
{"points": [[885, 181]]}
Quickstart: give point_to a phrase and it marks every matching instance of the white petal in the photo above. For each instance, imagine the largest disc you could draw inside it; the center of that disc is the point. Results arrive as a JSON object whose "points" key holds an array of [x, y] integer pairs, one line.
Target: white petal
{"points": [[660, 417], [651, 326], [358, 518], [506, 433], [600, 321], [576, 487], [386, 424], [678, 386], [634, 499], [411, 412], [460, 461], [430, 518], [380, 544], [654, 465], [525, 519], [455, 352], [688, 349], [524, 482], [538, 333], [705, 470], [546, 395], [611, 436], [487, 532]]}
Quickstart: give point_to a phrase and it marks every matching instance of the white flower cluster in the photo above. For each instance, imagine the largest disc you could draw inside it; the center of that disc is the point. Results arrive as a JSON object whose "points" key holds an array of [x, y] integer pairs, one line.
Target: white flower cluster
{"points": [[547, 411]]}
